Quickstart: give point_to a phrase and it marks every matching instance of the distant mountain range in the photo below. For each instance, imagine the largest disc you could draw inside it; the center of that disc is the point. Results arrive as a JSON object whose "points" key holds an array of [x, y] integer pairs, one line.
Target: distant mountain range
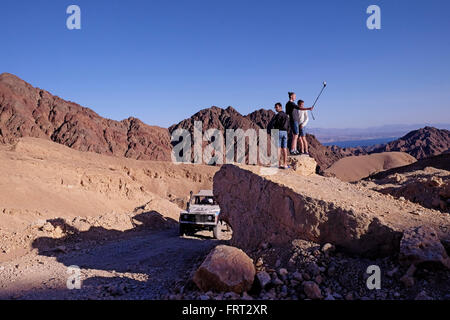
{"points": [[26, 111], [329, 135]]}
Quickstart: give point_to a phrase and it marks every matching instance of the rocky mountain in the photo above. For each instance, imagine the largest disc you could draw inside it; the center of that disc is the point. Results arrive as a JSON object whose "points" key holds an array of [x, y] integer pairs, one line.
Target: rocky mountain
{"points": [[26, 111], [217, 118], [324, 155], [422, 143], [261, 117], [229, 118]]}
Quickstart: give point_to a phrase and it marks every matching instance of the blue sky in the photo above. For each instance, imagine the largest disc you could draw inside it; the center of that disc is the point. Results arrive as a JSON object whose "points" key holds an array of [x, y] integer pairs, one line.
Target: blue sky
{"points": [[162, 61]]}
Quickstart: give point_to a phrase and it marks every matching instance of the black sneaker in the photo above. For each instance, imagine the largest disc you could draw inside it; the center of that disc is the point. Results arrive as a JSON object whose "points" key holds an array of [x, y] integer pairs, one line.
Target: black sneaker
{"points": [[294, 153]]}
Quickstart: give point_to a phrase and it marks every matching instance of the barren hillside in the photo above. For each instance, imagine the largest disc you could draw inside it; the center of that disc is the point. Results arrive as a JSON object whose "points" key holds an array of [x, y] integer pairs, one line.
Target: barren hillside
{"points": [[41, 180], [355, 168], [26, 111], [422, 143]]}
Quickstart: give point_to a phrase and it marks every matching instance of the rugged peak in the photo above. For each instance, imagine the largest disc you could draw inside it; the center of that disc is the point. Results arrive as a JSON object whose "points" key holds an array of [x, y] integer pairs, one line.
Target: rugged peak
{"points": [[422, 143], [6, 76], [231, 109], [26, 111]]}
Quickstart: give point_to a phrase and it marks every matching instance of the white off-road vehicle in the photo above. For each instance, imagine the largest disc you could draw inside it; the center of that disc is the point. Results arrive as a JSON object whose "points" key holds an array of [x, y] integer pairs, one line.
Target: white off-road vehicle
{"points": [[202, 213]]}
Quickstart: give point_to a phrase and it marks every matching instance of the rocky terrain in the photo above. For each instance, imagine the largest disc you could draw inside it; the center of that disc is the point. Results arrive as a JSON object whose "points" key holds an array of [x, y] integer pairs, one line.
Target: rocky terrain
{"points": [[42, 182], [439, 162], [26, 111], [229, 118], [425, 182], [422, 143], [296, 239], [282, 207], [304, 270], [429, 187], [77, 189]]}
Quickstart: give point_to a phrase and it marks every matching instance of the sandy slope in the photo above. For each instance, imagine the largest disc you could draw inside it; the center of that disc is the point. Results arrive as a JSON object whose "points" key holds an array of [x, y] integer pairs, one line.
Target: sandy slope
{"points": [[41, 180], [354, 168]]}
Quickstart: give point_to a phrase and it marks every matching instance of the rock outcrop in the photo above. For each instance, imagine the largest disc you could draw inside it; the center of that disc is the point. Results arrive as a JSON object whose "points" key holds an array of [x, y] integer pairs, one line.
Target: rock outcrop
{"points": [[225, 269], [429, 187], [422, 143], [420, 245], [26, 111], [302, 165], [282, 207]]}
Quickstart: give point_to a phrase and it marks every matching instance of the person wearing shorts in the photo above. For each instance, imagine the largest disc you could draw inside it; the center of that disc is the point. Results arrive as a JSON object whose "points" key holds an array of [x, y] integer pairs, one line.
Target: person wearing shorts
{"points": [[303, 121], [292, 112], [280, 122]]}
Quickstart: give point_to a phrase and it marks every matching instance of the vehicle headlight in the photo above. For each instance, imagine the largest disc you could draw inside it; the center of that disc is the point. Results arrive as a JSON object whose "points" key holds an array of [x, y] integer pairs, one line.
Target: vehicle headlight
{"points": [[185, 216], [210, 218]]}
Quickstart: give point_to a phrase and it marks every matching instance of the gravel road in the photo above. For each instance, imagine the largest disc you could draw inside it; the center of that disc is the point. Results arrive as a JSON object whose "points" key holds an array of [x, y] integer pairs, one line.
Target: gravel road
{"points": [[141, 265]]}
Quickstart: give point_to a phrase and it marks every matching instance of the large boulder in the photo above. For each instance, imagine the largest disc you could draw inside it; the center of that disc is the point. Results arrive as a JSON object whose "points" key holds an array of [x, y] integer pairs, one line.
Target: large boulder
{"points": [[420, 245], [303, 165], [281, 207], [225, 269]]}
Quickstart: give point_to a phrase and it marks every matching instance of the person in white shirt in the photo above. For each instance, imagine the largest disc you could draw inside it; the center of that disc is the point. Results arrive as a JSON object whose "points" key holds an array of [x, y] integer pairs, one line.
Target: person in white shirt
{"points": [[303, 121]]}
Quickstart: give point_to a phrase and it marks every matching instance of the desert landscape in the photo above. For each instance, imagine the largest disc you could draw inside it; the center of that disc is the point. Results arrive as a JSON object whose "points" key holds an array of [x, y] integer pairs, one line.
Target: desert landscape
{"points": [[77, 189]]}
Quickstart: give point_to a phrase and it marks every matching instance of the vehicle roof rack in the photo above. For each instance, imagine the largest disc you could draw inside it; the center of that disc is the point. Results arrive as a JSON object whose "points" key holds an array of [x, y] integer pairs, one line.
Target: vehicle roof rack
{"points": [[204, 193]]}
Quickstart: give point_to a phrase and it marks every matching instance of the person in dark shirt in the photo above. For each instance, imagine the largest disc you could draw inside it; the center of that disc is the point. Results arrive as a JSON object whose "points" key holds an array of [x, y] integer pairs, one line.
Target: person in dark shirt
{"points": [[294, 121], [281, 122]]}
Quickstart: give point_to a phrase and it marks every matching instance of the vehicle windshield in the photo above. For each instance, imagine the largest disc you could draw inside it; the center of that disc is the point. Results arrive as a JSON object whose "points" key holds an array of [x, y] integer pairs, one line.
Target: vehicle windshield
{"points": [[205, 200]]}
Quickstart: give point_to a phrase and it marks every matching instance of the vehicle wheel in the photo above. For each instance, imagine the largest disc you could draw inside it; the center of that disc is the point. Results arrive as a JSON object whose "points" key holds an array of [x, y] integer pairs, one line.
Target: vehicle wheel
{"points": [[217, 231], [182, 230]]}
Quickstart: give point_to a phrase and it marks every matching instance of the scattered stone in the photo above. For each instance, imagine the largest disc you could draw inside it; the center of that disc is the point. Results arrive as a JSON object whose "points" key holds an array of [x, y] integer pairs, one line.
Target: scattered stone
{"points": [[423, 296], [265, 245], [392, 272], [263, 279], [246, 296], [407, 280], [276, 281], [259, 263], [231, 296], [297, 276], [420, 245], [283, 272], [312, 290], [48, 227], [318, 279], [278, 263]]}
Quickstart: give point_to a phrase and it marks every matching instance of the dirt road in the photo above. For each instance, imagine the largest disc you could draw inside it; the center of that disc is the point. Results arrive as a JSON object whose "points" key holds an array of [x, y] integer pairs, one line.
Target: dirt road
{"points": [[140, 265]]}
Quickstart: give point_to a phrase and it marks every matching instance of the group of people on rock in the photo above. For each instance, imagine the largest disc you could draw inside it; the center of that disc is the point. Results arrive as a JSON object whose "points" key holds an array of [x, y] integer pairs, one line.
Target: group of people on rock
{"points": [[295, 118]]}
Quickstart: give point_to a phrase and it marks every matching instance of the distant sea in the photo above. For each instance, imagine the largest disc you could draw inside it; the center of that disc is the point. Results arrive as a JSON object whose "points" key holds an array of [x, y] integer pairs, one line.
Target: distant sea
{"points": [[360, 143]]}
